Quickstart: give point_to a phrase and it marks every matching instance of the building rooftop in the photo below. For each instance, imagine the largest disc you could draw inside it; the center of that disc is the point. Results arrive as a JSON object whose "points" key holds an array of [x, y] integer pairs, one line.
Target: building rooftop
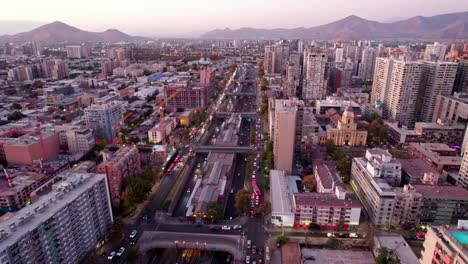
{"points": [[441, 191], [281, 200], [416, 167], [333, 256], [398, 245], [324, 199], [328, 175], [47, 205]]}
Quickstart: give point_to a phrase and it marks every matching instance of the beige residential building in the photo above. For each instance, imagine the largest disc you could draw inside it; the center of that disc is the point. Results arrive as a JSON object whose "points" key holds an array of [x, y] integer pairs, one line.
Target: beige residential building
{"points": [[284, 135]]}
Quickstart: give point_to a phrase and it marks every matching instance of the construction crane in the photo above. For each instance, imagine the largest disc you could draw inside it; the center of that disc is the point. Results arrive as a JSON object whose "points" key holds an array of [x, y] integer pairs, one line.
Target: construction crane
{"points": [[118, 126], [43, 161], [162, 123]]}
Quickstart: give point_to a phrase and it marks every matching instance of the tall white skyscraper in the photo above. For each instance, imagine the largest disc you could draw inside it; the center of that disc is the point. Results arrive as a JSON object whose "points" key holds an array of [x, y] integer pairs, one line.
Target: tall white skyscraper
{"points": [[366, 68], [403, 91], [339, 55], [269, 59], [73, 51], [437, 79], [396, 85], [314, 83], [435, 51]]}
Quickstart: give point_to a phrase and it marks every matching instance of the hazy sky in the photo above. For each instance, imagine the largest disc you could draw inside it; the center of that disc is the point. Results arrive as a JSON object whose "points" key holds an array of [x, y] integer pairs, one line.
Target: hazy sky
{"points": [[182, 17]]}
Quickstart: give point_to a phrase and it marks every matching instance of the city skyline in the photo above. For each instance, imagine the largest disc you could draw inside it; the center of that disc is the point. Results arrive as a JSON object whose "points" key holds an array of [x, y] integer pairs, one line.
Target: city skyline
{"points": [[184, 18]]}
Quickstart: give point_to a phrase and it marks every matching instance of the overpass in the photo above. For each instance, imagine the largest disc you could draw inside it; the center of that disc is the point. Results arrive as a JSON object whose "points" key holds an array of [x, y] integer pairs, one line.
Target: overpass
{"points": [[242, 114], [234, 244], [235, 149]]}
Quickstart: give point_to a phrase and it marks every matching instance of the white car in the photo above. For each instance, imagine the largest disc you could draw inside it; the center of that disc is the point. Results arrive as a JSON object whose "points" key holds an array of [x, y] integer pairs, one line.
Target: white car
{"points": [[247, 259], [120, 252], [236, 227], [226, 228], [111, 256], [353, 235], [133, 234], [330, 235]]}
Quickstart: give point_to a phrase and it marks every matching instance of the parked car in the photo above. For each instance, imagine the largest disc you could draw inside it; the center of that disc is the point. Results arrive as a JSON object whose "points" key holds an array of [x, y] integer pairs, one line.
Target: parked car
{"points": [[226, 228], [236, 227], [120, 252], [133, 234], [249, 243], [111, 255]]}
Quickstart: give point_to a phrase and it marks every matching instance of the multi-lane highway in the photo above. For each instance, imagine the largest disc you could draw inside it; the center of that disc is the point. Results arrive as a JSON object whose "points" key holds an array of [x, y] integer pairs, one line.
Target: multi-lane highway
{"points": [[245, 103]]}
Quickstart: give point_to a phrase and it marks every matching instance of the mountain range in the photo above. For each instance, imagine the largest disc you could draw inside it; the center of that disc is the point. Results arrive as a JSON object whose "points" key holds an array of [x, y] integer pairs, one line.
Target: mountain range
{"points": [[452, 26], [57, 32]]}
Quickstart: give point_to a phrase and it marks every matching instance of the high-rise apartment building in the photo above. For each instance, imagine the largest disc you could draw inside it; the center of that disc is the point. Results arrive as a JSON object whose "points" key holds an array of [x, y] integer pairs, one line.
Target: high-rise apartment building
{"points": [[284, 138], [463, 174], [281, 57], [314, 85], [20, 73], [366, 67], [63, 225], [437, 79], [435, 51], [103, 117], [269, 60], [339, 55], [78, 51], [461, 80], [396, 85], [123, 163]]}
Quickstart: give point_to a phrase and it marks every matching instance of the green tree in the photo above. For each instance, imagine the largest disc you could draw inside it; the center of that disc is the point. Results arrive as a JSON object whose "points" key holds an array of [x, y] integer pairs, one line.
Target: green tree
{"points": [[16, 115], [146, 72], [282, 239], [265, 208], [242, 201], [384, 257], [330, 146], [38, 84], [10, 91], [309, 182], [334, 243], [214, 211], [15, 106]]}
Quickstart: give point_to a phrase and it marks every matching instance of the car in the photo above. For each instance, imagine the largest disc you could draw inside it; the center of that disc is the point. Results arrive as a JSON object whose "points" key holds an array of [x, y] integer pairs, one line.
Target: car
{"points": [[232, 190], [237, 227], [249, 243], [120, 252], [330, 235], [111, 255], [133, 242], [254, 249], [133, 234], [226, 228], [254, 262], [247, 259], [260, 251], [353, 235], [260, 260]]}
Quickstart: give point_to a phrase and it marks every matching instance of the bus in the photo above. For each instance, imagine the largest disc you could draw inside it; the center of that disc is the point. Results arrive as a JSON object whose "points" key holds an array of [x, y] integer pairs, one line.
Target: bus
{"points": [[255, 188], [169, 161]]}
